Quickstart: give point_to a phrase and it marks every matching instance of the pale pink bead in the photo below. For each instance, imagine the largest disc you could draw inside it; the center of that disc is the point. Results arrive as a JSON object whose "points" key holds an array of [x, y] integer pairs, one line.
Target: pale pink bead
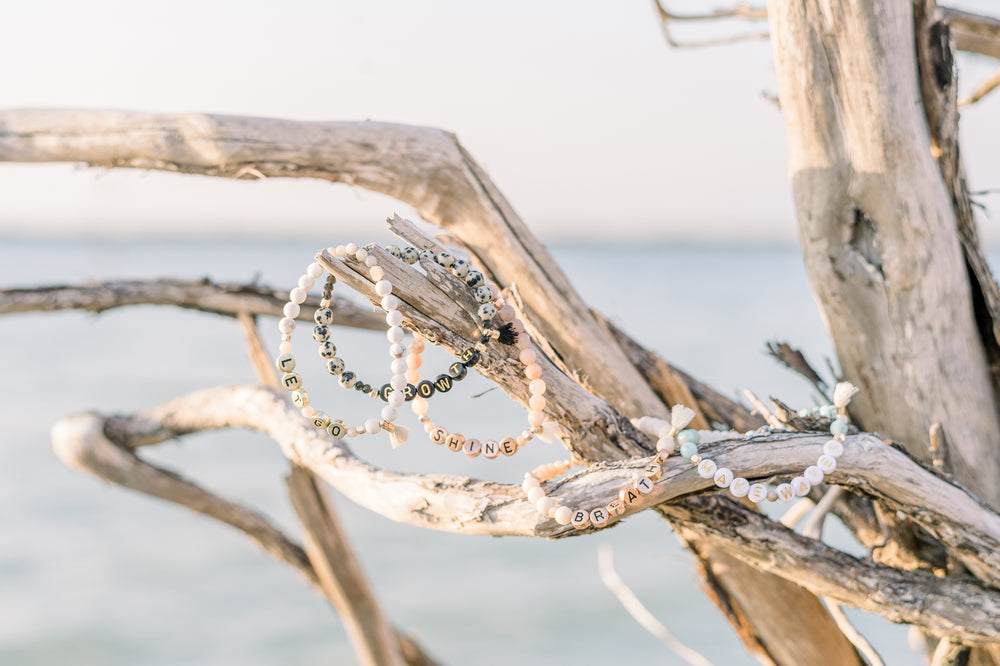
{"points": [[417, 345], [291, 310], [297, 295], [529, 483], [314, 270], [528, 356], [523, 342], [285, 347], [536, 403], [564, 515], [536, 418], [308, 411], [544, 505], [413, 361], [376, 273], [537, 386], [535, 494], [495, 291], [507, 313], [517, 325], [412, 376], [353, 432], [351, 248], [419, 406], [533, 371], [429, 426], [340, 251]]}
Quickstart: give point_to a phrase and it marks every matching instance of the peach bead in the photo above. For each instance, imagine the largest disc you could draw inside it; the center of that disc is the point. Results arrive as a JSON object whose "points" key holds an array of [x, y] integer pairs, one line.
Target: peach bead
{"points": [[528, 356], [507, 313], [523, 342], [536, 403], [417, 345], [537, 386], [413, 361], [533, 371], [285, 347], [535, 494], [564, 515], [517, 325], [536, 418]]}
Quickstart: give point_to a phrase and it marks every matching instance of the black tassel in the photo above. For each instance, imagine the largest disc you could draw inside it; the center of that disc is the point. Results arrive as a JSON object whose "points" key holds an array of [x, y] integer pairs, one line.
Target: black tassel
{"points": [[508, 336]]}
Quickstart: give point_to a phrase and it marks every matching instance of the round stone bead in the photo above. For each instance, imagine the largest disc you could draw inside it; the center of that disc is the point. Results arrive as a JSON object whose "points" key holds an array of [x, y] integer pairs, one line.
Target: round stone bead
{"points": [[706, 469], [394, 318], [580, 519], [813, 475], [838, 427], [460, 268], [383, 287], [372, 426], [291, 310], [666, 444], [723, 477], [335, 365], [285, 363], [757, 493], [689, 449], [833, 448], [739, 487], [828, 411], [487, 311], [483, 294], [800, 486], [529, 483], [535, 494], [327, 349], [389, 413], [300, 398], [323, 316], [427, 255], [286, 325], [445, 259], [785, 492], [826, 463], [564, 515], [689, 436], [321, 334], [320, 420], [337, 429], [475, 279], [410, 255], [394, 250], [348, 379], [544, 505]]}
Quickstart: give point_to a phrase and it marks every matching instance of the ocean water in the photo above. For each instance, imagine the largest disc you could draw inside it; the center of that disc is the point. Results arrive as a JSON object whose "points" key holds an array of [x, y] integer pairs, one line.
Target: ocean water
{"points": [[92, 574]]}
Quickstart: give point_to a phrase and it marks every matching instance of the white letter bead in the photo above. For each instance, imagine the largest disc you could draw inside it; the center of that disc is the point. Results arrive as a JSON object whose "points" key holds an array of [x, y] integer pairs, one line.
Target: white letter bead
{"points": [[564, 515], [300, 398], [290, 381], [757, 493], [813, 475], [473, 447], [723, 477], [785, 492], [833, 448], [706, 469], [320, 420], [644, 485], [800, 486], [580, 519], [826, 463], [739, 487]]}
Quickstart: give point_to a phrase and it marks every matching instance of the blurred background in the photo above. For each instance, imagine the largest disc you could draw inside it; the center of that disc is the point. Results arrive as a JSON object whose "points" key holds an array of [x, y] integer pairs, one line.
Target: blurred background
{"points": [[586, 120]]}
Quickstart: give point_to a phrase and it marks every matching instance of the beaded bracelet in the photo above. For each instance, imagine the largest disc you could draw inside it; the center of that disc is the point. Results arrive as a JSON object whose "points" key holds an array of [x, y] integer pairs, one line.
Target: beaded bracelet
{"points": [[672, 433], [323, 317]]}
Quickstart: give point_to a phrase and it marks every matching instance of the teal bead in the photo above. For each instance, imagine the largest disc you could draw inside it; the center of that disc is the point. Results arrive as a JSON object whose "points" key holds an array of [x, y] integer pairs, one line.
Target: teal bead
{"points": [[838, 427], [688, 449], [689, 436]]}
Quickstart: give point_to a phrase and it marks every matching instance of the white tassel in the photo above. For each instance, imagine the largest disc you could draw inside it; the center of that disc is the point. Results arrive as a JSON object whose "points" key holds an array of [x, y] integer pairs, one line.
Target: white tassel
{"points": [[397, 434], [680, 417], [843, 393], [652, 426]]}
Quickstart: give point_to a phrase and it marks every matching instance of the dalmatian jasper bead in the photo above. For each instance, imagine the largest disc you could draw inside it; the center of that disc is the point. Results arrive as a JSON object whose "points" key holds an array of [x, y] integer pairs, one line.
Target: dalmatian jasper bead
{"points": [[323, 316], [348, 379], [475, 279], [427, 255], [444, 259], [321, 334], [487, 311], [327, 349], [483, 294], [335, 365], [410, 255], [460, 268], [394, 251]]}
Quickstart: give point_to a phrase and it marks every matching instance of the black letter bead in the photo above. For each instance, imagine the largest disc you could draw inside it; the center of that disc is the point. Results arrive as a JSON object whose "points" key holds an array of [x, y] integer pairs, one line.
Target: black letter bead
{"points": [[443, 383], [409, 393], [457, 371], [425, 389], [384, 392], [470, 357]]}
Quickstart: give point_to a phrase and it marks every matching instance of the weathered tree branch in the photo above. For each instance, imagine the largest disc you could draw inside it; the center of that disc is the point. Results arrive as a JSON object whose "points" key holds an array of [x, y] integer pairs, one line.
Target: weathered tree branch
{"points": [[204, 295]]}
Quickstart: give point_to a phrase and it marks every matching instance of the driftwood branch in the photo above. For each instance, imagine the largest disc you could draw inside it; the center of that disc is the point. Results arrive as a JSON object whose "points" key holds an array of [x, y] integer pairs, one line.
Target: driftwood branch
{"points": [[204, 295]]}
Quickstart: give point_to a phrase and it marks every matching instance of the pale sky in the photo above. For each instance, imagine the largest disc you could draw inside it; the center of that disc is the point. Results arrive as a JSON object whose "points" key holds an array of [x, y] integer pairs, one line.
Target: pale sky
{"points": [[588, 122]]}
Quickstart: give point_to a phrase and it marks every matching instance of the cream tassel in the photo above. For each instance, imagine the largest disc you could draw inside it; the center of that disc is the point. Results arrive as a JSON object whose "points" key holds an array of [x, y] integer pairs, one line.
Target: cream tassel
{"points": [[397, 434], [842, 395], [680, 417], [549, 432]]}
